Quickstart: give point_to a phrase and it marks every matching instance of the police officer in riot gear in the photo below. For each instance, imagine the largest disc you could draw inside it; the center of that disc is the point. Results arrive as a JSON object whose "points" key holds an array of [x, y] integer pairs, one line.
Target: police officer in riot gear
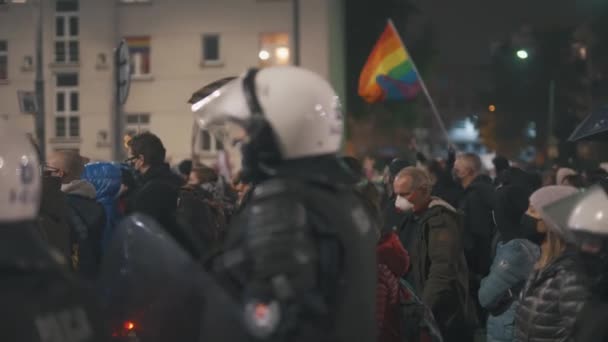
{"points": [[300, 256], [585, 218], [39, 300]]}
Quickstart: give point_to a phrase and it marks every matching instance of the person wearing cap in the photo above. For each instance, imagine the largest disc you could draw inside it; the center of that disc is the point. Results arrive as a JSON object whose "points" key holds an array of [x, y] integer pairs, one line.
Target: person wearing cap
{"points": [[558, 287], [583, 215]]}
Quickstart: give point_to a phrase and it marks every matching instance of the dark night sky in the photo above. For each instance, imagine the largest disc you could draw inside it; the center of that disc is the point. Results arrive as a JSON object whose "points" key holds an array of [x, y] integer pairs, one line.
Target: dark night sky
{"points": [[463, 33], [466, 28]]}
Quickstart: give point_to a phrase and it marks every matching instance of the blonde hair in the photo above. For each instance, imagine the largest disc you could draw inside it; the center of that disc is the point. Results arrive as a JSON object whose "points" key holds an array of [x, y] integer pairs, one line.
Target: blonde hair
{"points": [[552, 247]]}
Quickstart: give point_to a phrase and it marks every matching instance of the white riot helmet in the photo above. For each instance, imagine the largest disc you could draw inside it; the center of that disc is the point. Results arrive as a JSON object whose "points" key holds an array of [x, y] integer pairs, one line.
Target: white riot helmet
{"points": [[276, 113], [585, 215], [20, 182]]}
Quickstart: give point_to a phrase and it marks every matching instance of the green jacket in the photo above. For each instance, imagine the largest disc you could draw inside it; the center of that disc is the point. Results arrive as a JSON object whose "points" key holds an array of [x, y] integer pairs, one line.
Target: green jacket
{"points": [[439, 266]]}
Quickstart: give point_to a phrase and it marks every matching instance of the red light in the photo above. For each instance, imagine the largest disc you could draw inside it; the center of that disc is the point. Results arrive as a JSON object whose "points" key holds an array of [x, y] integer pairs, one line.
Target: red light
{"points": [[129, 325], [261, 311]]}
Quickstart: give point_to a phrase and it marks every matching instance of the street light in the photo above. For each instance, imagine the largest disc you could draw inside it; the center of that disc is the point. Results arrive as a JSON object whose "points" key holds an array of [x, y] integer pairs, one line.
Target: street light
{"points": [[522, 54]]}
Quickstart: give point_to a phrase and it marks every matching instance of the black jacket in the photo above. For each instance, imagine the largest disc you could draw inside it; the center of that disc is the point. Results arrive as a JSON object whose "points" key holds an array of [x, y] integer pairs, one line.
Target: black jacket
{"points": [[588, 327], [479, 228], [53, 216], [551, 301], [157, 197], [157, 194], [40, 300], [87, 222], [330, 281]]}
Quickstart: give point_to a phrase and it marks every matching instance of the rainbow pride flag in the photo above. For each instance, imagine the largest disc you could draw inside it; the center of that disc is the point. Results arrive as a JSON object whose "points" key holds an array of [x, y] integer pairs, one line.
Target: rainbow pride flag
{"points": [[389, 73]]}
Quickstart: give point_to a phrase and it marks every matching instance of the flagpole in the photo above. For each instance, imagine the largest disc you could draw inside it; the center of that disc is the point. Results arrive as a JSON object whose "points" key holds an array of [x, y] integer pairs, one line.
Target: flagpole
{"points": [[423, 86]]}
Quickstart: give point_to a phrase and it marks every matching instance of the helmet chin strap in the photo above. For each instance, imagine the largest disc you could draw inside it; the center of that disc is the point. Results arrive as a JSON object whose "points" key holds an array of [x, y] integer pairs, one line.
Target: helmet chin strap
{"points": [[262, 151]]}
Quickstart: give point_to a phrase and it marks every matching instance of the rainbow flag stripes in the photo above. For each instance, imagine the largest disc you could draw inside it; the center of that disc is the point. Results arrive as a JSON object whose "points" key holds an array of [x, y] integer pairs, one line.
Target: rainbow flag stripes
{"points": [[389, 73]]}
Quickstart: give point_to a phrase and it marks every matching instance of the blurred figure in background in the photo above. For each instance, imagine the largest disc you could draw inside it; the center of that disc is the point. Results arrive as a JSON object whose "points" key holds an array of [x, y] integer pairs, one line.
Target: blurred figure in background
{"points": [[53, 216], [392, 215], [479, 228], [500, 164], [562, 173], [549, 177], [433, 235], [595, 176], [201, 207], [517, 251], [184, 168], [576, 181], [128, 185], [40, 301], [158, 192], [366, 190], [393, 263], [557, 289], [582, 214], [86, 217], [444, 185], [107, 180], [242, 189]]}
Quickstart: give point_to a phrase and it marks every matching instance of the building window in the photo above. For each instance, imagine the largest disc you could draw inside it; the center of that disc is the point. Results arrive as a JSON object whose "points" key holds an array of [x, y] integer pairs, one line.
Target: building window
{"points": [[137, 123], [211, 48], [209, 143], [67, 47], [274, 49], [67, 106], [66, 6], [3, 60], [139, 52]]}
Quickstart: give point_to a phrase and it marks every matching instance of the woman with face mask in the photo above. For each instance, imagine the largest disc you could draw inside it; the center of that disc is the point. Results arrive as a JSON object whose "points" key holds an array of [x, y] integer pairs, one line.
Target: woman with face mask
{"points": [[517, 251], [559, 286]]}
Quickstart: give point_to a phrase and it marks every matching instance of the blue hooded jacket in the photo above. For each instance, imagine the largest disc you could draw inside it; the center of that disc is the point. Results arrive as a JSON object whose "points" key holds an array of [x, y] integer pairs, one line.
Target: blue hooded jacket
{"points": [[513, 264], [106, 178]]}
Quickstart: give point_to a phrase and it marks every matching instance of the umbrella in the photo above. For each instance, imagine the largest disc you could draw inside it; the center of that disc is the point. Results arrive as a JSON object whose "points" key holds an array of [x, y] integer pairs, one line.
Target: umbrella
{"points": [[594, 127]]}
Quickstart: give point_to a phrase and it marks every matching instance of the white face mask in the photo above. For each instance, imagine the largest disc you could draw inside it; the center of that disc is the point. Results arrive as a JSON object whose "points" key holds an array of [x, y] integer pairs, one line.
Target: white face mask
{"points": [[403, 204]]}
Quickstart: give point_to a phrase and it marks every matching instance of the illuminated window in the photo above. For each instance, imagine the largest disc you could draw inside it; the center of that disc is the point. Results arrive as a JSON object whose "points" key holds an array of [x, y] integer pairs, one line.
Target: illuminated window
{"points": [[274, 49]]}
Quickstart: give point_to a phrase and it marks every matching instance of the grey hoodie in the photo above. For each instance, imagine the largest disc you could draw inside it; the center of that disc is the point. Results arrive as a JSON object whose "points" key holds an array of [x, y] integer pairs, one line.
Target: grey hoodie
{"points": [[79, 187]]}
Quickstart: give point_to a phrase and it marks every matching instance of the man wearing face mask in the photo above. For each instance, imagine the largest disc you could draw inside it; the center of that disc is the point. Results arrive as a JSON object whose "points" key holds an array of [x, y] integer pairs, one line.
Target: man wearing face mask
{"points": [[516, 253], [157, 195], [432, 234], [392, 215]]}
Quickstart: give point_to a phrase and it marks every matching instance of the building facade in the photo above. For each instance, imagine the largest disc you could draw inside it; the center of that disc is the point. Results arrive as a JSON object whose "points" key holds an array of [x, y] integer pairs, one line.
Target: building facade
{"points": [[176, 46]]}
